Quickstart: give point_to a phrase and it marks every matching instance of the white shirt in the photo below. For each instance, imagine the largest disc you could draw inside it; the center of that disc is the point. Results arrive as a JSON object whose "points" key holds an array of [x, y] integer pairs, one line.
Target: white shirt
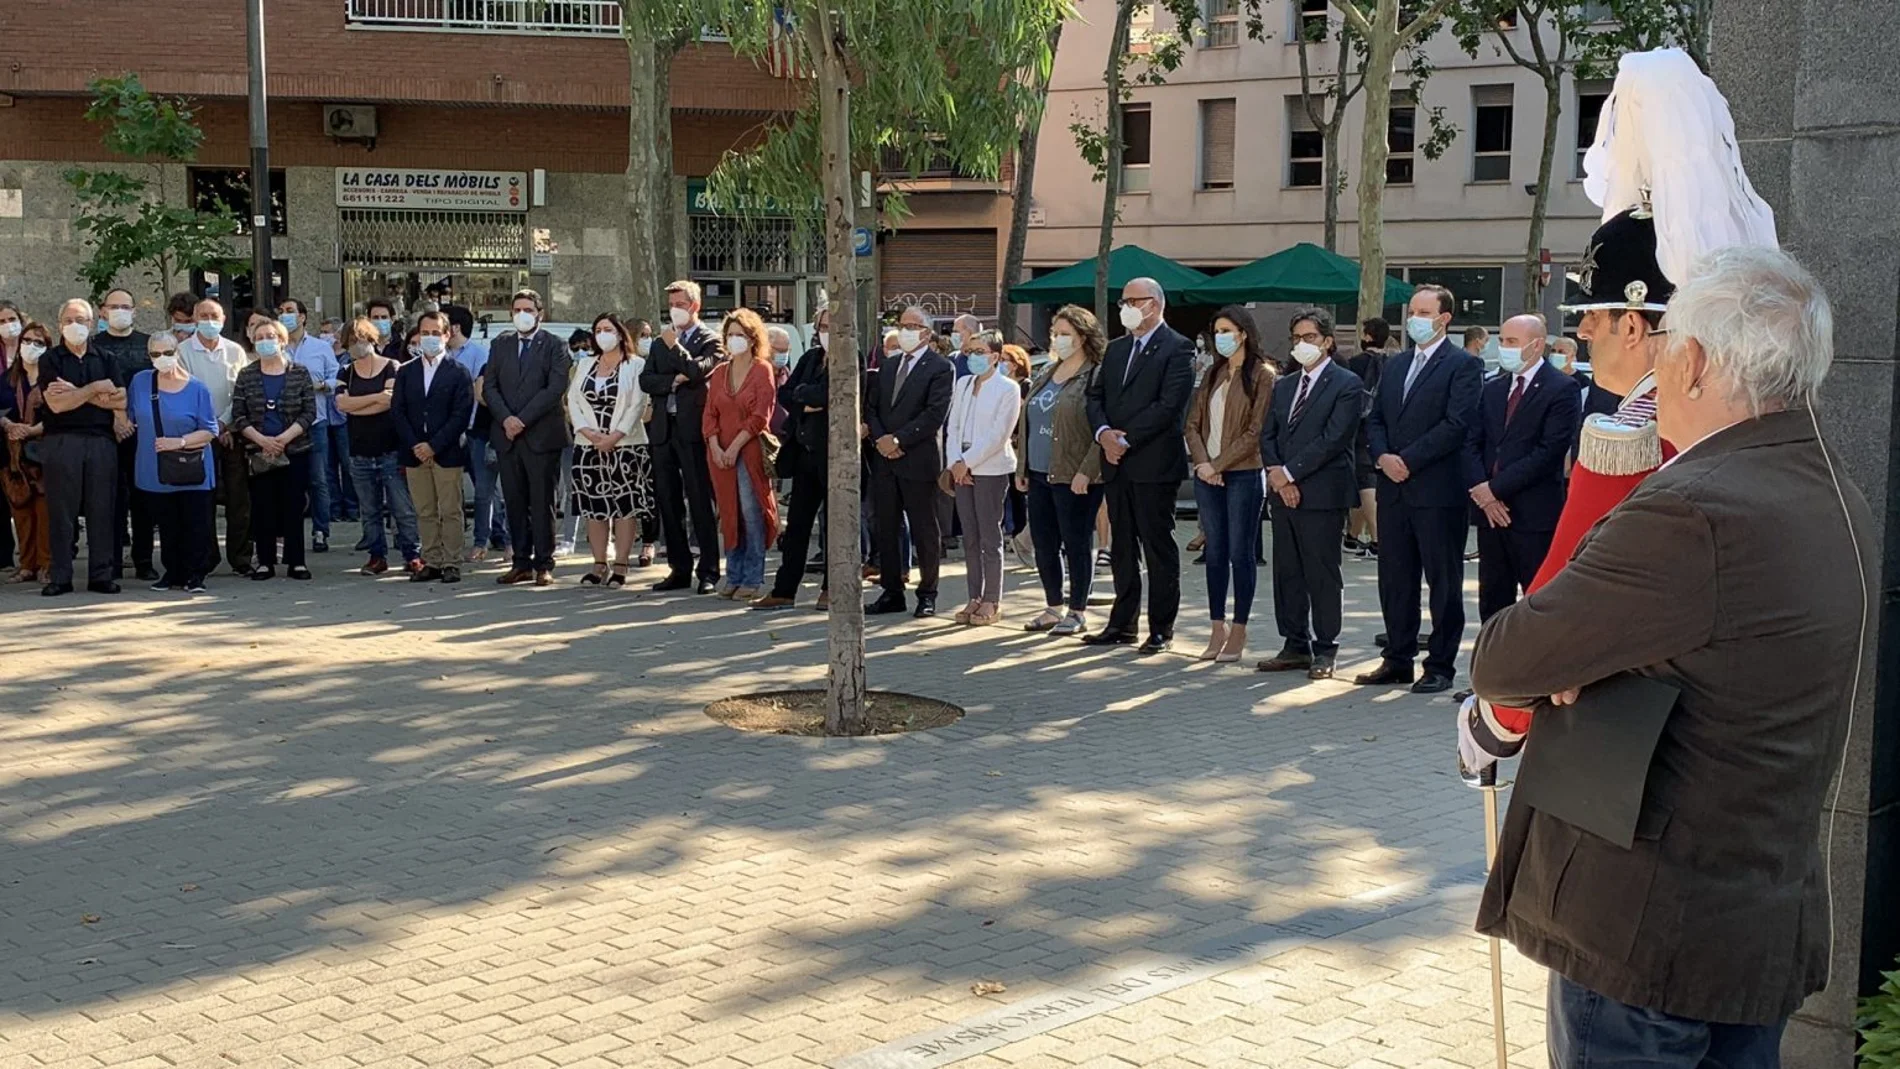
{"points": [[1422, 358], [1217, 416], [1699, 441], [1309, 381], [983, 424], [429, 364], [1525, 373]]}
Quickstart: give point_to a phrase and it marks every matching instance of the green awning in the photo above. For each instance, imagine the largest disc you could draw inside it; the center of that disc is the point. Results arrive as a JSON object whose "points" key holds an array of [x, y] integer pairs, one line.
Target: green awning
{"points": [[1303, 274], [1075, 284]]}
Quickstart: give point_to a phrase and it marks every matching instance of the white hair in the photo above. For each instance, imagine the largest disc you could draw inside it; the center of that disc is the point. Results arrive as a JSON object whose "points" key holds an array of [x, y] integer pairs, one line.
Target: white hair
{"points": [[81, 302], [1154, 289], [775, 333], [1763, 321]]}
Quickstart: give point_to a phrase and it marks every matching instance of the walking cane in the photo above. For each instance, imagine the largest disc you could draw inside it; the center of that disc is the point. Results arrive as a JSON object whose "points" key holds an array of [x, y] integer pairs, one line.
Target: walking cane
{"points": [[1488, 783]]}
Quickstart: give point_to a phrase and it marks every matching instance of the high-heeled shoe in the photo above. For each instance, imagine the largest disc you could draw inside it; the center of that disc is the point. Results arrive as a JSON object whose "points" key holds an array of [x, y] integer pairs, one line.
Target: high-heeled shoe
{"points": [[1215, 643], [597, 576], [1235, 646], [987, 613], [619, 576], [963, 615]]}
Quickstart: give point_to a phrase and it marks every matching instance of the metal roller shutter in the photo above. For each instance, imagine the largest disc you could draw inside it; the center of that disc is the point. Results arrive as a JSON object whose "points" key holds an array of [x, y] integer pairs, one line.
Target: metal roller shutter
{"points": [[949, 272]]}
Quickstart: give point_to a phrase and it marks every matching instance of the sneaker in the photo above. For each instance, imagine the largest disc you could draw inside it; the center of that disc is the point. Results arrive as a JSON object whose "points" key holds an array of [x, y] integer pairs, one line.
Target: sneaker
{"points": [[196, 586], [1101, 558], [163, 586], [320, 543], [375, 566], [565, 549]]}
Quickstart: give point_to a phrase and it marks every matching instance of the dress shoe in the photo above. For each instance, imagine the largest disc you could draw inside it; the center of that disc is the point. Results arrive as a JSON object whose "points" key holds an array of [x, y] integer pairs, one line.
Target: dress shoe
{"points": [[413, 566], [1381, 640], [1389, 674], [543, 577], [1461, 695], [771, 603], [1433, 683], [1286, 662], [375, 566], [1322, 668], [706, 586], [1109, 638], [426, 575], [451, 575], [1157, 643], [926, 606], [104, 586], [674, 582], [823, 604], [53, 590], [514, 577], [886, 605]]}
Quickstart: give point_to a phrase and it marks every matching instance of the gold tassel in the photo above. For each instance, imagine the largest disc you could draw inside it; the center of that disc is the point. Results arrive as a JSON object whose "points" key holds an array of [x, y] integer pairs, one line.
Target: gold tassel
{"points": [[1608, 449]]}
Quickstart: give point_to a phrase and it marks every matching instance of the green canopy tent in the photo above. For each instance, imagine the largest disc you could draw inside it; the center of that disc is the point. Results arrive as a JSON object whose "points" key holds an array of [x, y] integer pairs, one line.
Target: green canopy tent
{"points": [[1075, 284], [1303, 274]]}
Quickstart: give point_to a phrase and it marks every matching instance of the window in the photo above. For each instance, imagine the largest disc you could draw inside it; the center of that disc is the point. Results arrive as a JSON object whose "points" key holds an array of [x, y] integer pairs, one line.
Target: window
{"points": [[1491, 133], [1141, 30], [1312, 19], [1223, 24], [231, 188], [1595, 11], [1479, 291], [1507, 20], [1136, 122], [1217, 144], [1305, 148], [1590, 98], [1401, 139]]}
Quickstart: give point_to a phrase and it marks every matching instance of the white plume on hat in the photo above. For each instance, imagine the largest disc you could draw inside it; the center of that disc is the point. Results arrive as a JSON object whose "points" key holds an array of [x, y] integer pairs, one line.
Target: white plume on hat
{"points": [[1665, 138]]}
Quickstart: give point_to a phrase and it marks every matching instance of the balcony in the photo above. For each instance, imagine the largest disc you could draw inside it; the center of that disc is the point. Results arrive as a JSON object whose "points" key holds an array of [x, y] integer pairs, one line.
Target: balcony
{"points": [[584, 18]]}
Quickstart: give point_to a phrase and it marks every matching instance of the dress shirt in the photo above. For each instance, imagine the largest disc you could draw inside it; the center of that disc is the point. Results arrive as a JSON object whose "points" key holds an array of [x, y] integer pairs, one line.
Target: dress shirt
{"points": [[1420, 358], [314, 355], [429, 365], [217, 368], [1309, 381]]}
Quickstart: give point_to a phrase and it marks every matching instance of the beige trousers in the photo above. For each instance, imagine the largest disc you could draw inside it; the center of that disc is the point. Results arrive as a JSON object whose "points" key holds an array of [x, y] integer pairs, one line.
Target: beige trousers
{"points": [[437, 492]]}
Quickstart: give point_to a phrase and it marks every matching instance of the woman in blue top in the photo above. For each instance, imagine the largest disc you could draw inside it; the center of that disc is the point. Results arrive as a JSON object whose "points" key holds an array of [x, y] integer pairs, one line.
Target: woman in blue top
{"points": [[173, 411]]}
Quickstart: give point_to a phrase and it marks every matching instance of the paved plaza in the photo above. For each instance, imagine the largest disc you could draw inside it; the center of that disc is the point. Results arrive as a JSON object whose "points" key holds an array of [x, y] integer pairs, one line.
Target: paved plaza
{"points": [[357, 823]]}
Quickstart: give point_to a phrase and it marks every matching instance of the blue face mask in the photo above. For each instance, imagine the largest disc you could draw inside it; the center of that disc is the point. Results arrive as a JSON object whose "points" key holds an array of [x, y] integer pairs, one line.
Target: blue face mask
{"points": [[1225, 343], [980, 363], [1558, 359], [382, 327], [209, 329], [267, 347], [1511, 360], [430, 344], [103, 326], [1421, 329], [289, 320]]}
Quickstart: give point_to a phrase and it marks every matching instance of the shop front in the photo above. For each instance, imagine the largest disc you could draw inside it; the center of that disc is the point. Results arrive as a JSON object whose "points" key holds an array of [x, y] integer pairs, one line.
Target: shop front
{"points": [[762, 262]]}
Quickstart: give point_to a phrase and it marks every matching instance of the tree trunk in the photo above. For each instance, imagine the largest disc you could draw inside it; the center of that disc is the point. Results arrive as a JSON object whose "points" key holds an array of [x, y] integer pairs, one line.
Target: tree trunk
{"points": [[1112, 155], [1540, 203], [641, 208], [1382, 48], [845, 692], [1025, 188], [666, 189], [1331, 136]]}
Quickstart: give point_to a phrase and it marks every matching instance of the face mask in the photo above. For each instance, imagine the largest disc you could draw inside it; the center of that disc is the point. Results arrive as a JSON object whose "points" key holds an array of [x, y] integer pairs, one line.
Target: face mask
{"points": [[119, 318], [1511, 360], [101, 326], [430, 344], [382, 327], [738, 344], [1131, 317], [524, 322], [1559, 360], [165, 363], [980, 363], [75, 333], [781, 359], [1421, 329], [1226, 342], [824, 339], [266, 346], [415, 351], [607, 340], [183, 330], [956, 340], [909, 338], [11, 329], [1062, 345], [361, 350], [643, 346], [680, 316], [1306, 354], [32, 351], [289, 320]]}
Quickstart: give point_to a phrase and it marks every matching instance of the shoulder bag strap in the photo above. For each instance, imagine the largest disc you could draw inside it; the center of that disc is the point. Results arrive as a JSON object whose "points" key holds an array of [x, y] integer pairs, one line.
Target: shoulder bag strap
{"points": [[158, 418]]}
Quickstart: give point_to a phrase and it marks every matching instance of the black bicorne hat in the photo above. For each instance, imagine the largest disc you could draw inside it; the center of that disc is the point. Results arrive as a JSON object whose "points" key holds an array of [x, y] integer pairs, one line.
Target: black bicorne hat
{"points": [[1619, 269]]}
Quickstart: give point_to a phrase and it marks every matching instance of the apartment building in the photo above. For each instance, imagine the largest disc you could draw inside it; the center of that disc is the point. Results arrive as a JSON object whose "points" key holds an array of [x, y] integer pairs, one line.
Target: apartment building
{"points": [[1224, 165]]}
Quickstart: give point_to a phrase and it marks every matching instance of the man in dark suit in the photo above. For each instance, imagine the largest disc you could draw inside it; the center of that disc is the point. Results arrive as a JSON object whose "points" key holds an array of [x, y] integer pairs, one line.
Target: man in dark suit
{"points": [[431, 407], [1514, 462], [525, 386], [683, 354], [1138, 403], [1307, 446], [909, 402], [1427, 399]]}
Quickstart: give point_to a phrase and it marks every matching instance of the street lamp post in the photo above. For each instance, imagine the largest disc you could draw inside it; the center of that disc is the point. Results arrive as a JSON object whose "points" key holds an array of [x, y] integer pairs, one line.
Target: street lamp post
{"points": [[262, 292]]}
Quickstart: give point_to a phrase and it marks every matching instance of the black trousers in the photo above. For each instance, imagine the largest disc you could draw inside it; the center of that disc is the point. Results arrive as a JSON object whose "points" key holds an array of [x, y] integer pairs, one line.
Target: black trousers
{"points": [[234, 489], [1428, 543], [278, 497], [685, 485], [529, 482], [133, 522], [82, 479], [1308, 589], [1141, 517], [896, 500], [6, 533], [1508, 560], [808, 496], [184, 532]]}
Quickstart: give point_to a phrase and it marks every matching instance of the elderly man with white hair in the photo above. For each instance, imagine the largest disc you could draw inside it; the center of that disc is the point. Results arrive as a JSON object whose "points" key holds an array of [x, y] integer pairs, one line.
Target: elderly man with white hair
{"points": [[1736, 578], [85, 395]]}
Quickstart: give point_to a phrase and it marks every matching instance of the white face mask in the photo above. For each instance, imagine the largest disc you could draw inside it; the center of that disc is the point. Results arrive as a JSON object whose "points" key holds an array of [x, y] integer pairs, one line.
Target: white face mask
{"points": [[1130, 316], [32, 351], [680, 316], [119, 318], [824, 339], [738, 344], [166, 363], [525, 321], [909, 338], [1307, 354], [1062, 345], [76, 333], [607, 340], [643, 346], [11, 329]]}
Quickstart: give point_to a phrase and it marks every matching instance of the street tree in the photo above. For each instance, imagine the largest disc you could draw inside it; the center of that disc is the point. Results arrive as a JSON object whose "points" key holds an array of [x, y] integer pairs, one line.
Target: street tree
{"points": [[1024, 187], [912, 81], [130, 221], [1642, 25], [655, 31]]}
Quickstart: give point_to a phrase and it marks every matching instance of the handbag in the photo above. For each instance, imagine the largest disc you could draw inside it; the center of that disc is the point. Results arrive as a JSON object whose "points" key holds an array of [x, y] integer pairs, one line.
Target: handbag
{"points": [[769, 447], [264, 463], [180, 467]]}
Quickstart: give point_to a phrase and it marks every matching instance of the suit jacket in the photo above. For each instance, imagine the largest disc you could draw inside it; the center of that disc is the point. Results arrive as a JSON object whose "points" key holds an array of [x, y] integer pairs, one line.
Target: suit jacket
{"points": [[1426, 427], [809, 384], [297, 403], [1317, 449], [438, 417], [1148, 404], [1524, 462], [529, 382], [1716, 575], [679, 408], [915, 414]]}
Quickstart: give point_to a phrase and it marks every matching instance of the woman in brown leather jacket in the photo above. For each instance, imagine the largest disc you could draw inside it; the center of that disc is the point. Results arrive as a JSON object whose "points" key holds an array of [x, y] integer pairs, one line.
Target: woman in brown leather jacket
{"points": [[1223, 438]]}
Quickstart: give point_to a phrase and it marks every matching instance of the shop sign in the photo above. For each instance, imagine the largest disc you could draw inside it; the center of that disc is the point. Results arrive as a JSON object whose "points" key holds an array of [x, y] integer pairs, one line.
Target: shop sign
{"points": [[700, 201], [465, 191]]}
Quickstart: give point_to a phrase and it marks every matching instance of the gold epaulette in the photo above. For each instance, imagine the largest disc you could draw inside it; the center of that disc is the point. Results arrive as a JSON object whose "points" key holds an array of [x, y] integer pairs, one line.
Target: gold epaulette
{"points": [[1612, 448]]}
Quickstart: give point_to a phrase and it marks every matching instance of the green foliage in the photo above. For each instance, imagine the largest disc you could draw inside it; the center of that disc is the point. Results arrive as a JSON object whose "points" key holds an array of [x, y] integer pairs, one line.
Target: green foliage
{"points": [[126, 223], [1640, 25], [1880, 1025]]}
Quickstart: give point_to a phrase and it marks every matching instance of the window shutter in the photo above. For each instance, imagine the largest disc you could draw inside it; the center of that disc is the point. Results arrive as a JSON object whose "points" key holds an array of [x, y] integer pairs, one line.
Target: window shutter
{"points": [[1217, 144]]}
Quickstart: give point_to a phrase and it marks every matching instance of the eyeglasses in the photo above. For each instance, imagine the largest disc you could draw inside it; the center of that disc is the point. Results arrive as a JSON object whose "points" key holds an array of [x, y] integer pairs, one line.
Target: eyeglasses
{"points": [[1312, 336]]}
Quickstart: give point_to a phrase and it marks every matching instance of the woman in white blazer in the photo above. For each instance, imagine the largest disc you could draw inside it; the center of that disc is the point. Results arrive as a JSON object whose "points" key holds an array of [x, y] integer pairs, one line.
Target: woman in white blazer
{"points": [[981, 452], [613, 472]]}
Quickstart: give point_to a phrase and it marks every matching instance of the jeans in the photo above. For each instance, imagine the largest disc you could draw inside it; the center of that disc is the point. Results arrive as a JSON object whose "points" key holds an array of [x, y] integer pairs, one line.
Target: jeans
{"points": [[320, 500], [382, 489], [1230, 518], [1585, 1030], [745, 562], [342, 482], [491, 516], [1062, 525]]}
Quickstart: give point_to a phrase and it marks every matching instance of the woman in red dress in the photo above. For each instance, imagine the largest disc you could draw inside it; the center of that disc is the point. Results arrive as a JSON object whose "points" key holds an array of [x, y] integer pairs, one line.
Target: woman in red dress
{"points": [[739, 402]]}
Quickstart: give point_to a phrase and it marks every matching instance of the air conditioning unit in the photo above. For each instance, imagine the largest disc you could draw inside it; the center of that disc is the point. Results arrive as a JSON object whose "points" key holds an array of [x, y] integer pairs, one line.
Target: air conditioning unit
{"points": [[350, 122]]}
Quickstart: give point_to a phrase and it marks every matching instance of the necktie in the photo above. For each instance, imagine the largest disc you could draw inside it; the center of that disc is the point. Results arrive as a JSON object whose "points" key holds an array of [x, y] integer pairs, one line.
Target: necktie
{"points": [[1418, 367], [1510, 405], [903, 372], [1134, 353], [1299, 399]]}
